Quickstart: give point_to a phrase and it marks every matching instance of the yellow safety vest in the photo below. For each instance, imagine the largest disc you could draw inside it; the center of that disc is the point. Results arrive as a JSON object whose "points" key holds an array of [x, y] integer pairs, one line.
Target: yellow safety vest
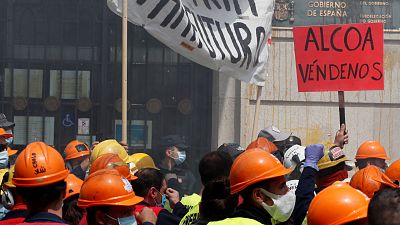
{"points": [[189, 201], [235, 221]]}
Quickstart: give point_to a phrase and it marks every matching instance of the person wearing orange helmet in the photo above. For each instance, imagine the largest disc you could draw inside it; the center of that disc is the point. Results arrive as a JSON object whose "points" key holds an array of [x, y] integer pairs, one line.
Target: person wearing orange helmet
{"points": [[384, 207], [264, 143], [259, 178], [112, 161], [338, 204], [77, 158], [39, 178], [109, 199], [393, 172], [370, 180], [71, 212], [371, 153], [12, 201]]}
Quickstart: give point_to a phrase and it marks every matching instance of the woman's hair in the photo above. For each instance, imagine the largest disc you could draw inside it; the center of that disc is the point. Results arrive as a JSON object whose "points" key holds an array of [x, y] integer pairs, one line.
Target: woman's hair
{"points": [[216, 201], [72, 214]]}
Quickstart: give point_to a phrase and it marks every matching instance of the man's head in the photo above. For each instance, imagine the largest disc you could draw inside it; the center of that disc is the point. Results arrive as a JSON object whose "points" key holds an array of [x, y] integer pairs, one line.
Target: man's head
{"points": [[233, 149], [338, 204], [108, 198], [384, 208], [5, 151], [214, 165], [174, 148], [4, 123], [371, 153], [151, 186], [370, 180], [332, 167], [260, 178], [39, 177]]}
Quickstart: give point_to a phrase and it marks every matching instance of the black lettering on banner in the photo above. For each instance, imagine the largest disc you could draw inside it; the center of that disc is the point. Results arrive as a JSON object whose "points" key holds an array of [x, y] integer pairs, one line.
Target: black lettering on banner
{"points": [[304, 74], [253, 7], [140, 2], [237, 7], [311, 39], [352, 71], [244, 42], [227, 5], [235, 45], [378, 70], [331, 67], [368, 37], [210, 22], [207, 4], [259, 31], [362, 76], [342, 71], [161, 4], [333, 37], [346, 38], [171, 14], [190, 25], [207, 40], [321, 72], [178, 20], [321, 30], [311, 70]]}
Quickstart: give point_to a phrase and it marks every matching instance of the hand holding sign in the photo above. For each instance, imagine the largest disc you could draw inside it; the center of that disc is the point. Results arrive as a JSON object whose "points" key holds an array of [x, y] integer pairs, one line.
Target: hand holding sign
{"points": [[341, 137]]}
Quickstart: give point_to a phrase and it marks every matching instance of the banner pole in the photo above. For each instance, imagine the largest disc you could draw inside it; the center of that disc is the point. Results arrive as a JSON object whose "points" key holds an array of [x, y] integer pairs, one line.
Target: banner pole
{"points": [[342, 114], [256, 114], [124, 70]]}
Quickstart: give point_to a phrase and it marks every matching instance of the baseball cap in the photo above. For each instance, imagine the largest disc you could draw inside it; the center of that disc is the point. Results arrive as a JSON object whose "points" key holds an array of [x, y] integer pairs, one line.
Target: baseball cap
{"points": [[273, 134], [4, 123], [233, 149], [174, 140]]}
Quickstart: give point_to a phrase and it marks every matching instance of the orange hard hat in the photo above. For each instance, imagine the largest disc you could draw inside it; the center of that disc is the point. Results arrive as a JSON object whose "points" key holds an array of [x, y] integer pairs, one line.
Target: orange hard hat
{"points": [[371, 149], [264, 144], [348, 204], [11, 151], [76, 149], [393, 171], [370, 180], [38, 165], [107, 187], [74, 185], [252, 166], [112, 161], [4, 134]]}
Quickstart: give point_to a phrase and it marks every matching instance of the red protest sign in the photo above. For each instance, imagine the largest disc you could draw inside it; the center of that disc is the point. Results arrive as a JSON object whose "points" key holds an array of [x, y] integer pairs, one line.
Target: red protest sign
{"points": [[339, 57]]}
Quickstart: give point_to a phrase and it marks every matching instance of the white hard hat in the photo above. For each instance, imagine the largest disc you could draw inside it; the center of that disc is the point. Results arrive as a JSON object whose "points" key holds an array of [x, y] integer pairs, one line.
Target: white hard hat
{"points": [[295, 150]]}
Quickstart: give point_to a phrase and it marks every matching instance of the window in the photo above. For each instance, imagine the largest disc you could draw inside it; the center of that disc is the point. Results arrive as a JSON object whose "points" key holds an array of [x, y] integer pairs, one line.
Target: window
{"points": [[33, 128], [69, 84], [18, 80]]}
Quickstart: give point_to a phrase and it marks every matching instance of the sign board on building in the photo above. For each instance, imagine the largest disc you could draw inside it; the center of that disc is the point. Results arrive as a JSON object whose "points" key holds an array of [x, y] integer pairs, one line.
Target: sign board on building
{"points": [[316, 12], [339, 57]]}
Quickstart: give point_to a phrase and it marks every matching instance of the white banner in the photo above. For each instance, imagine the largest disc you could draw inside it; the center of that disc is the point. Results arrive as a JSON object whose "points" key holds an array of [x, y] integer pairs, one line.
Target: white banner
{"points": [[230, 36]]}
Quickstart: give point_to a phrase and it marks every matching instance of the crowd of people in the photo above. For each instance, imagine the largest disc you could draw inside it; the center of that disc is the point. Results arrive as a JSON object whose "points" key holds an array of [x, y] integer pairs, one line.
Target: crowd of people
{"points": [[275, 180]]}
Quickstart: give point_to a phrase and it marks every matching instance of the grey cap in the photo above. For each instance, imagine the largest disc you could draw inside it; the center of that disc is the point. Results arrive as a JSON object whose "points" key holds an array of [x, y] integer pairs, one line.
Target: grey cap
{"points": [[273, 134], [4, 123]]}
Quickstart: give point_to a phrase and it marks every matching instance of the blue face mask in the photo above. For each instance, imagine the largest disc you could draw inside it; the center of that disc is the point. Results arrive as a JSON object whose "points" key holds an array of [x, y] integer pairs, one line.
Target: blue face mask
{"points": [[128, 220], [181, 158], [11, 139], [4, 159], [163, 200]]}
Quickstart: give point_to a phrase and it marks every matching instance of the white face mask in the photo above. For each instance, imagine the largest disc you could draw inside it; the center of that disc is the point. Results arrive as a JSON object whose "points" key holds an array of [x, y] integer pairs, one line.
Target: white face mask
{"points": [[4, 159], [283, 205], [11, 139]]}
